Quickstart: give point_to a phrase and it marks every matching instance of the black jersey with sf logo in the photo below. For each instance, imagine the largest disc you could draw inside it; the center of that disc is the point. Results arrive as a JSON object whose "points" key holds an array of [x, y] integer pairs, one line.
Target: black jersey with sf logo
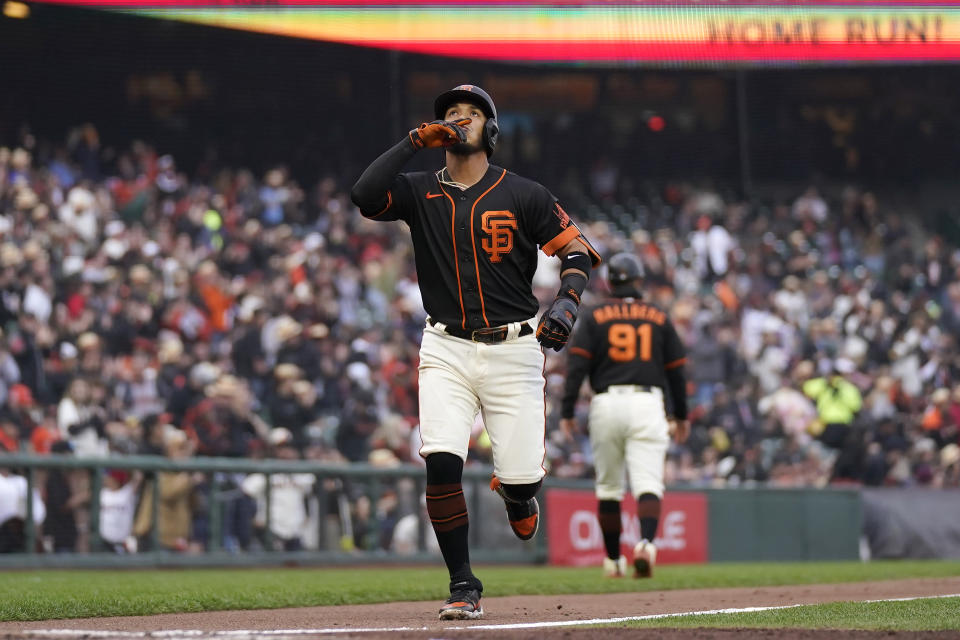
{"points": [[476, 249], [622, 341]]}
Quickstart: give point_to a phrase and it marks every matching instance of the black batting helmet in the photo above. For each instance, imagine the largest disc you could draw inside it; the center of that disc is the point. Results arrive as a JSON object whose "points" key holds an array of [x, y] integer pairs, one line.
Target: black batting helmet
{"points": [[623, 268], [473, 94]]}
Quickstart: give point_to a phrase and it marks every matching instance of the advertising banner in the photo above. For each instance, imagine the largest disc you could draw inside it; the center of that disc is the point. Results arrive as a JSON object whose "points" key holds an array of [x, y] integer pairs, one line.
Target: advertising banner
{"points": [[575, 539]]}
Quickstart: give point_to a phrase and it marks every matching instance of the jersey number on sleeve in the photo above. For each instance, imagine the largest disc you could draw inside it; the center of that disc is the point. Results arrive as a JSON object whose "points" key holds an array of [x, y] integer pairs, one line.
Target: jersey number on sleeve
{"points": [[623, 341]]}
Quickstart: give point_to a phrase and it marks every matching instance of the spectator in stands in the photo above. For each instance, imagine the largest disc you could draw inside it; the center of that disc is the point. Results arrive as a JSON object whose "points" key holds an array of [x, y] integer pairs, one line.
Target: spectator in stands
{"points": [[118, 503], [174, 509], [62, 502], [81, 421], [409, 528], [223, 423], [950, 466], [9, 370], [99, 280], [838, 402], [288, 494], [711, 244], [715, 362], [13, 511]]}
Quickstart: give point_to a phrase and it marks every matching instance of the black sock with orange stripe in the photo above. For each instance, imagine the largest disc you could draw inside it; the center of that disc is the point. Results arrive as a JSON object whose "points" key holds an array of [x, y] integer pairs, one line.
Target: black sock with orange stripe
{"points": [[608, 513], [447, 509]]}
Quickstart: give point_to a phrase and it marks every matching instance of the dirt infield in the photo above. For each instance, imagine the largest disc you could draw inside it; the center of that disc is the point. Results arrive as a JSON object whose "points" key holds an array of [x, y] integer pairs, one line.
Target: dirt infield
{"points": [[418, 620]]}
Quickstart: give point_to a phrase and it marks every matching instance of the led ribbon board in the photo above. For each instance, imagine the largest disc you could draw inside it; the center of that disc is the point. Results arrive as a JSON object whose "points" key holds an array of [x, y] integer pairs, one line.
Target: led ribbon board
{"points": [[672, 33]]}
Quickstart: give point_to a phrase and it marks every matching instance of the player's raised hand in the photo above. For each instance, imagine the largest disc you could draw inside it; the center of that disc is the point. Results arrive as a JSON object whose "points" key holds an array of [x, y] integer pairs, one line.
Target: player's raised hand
{"points": [[439, 133], [556, 323]]}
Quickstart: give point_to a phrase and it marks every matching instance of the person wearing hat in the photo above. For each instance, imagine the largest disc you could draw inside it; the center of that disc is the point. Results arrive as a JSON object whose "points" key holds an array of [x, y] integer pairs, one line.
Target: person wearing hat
{"points": [[314, 349], [282, 403], [288, 513], [223, 423], [173, 510], [292, 347], [184, 397], [91, 354]]}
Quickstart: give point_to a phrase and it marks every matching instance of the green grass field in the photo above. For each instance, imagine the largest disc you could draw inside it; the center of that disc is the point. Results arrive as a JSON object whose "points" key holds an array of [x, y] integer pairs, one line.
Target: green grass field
{"points": [[928, 614], [42, 595]]}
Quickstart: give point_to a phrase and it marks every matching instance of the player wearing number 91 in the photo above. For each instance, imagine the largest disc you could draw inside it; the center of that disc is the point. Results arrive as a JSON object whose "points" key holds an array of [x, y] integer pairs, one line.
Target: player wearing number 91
{"points": [[633, 356]]}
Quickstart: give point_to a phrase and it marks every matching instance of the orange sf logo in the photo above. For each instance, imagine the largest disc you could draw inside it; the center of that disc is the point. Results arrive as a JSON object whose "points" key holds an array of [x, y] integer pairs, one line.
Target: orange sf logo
{"points": [[497, 225]]}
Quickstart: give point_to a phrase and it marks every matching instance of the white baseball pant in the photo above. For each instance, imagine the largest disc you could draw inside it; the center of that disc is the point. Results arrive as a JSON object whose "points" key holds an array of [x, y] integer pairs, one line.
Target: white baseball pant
{"points": [[628, 427], [503, 381]]}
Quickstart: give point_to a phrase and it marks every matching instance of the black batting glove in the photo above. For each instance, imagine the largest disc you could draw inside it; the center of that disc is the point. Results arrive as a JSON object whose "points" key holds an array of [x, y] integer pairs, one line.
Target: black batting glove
{"points": [[556, 323]]}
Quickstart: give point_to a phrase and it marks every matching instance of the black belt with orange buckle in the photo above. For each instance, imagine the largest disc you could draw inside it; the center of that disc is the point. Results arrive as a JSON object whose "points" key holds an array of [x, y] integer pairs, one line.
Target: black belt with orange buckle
{"points": [[486, 335]]}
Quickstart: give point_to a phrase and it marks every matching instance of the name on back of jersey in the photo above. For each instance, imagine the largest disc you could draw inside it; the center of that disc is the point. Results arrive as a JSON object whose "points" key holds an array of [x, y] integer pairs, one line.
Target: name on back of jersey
{"points": [[628, 311]]}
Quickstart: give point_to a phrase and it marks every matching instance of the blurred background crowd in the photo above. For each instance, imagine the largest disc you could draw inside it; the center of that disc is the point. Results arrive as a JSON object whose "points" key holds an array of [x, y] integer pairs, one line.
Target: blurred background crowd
{"points": [[182, 273], [147, 311]]}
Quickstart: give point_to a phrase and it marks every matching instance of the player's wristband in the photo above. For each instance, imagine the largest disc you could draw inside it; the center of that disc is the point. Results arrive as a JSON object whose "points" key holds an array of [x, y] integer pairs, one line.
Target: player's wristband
{"points": [[572, 275]]}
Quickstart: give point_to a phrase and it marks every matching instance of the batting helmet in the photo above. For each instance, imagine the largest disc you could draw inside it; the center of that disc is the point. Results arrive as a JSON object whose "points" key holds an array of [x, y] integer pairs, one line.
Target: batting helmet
{"points": [[473, 94], [623, 268]]}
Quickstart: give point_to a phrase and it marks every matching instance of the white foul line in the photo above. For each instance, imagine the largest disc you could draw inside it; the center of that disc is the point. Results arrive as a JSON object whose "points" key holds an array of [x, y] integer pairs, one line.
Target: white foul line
{"points": [[253, 633], [682, 614]]}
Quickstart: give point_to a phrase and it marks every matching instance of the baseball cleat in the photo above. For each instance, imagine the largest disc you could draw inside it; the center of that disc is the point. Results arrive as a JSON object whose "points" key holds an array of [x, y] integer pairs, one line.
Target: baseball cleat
{"points": [[614, 568], [524, 516], [463, 604], [644, 557]]}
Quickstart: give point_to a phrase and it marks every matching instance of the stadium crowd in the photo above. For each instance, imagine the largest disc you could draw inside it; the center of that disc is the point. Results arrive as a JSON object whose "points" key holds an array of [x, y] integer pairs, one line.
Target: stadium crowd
{"points": [[145, 311]]}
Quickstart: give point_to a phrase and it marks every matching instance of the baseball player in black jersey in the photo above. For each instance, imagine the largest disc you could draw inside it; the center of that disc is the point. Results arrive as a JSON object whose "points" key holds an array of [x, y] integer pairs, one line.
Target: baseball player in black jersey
{"points": [[476, 230], [632, 354]]}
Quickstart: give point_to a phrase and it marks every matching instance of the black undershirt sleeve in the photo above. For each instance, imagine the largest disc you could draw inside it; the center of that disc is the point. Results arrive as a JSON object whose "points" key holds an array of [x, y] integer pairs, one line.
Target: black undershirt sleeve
{"points": [[577, 369], [677, 382], [579, 360], [370, 192]]}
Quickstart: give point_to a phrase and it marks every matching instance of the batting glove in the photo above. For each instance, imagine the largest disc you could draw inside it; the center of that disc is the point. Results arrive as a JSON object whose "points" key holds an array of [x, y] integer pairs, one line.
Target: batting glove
{"points": [[556, 323], [439, 133]]}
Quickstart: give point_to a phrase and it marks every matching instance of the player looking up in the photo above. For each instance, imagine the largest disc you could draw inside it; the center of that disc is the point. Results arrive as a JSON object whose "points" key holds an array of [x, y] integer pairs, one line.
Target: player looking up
{"points": [[476, 229]]}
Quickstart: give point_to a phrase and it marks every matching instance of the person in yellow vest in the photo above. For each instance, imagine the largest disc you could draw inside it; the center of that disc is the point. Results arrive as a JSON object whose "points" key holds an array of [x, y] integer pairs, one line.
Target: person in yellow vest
{"points": [[838, 401]]}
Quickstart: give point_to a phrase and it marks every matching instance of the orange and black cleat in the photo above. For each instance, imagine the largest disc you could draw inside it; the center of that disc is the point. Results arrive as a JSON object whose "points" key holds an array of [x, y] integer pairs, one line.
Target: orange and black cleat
{"points": [[524, 515], [463, 603]]}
